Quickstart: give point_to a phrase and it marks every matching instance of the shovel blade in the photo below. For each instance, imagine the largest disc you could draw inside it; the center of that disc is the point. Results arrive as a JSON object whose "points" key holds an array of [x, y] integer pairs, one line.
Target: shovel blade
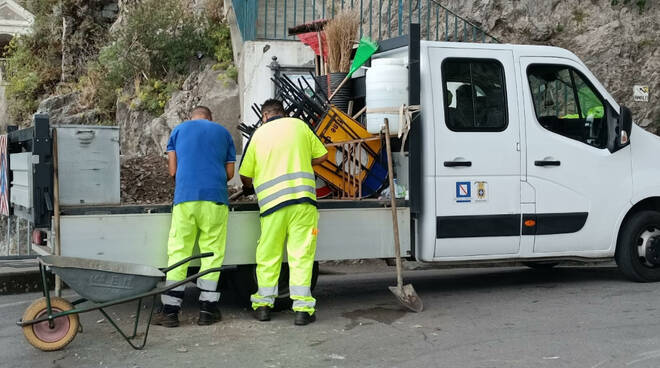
{"points": [[407, 296]]}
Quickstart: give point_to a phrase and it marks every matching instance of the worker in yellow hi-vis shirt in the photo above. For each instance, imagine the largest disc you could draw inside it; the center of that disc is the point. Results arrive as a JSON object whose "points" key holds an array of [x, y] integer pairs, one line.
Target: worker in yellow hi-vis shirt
{"points": [[277, 165]]}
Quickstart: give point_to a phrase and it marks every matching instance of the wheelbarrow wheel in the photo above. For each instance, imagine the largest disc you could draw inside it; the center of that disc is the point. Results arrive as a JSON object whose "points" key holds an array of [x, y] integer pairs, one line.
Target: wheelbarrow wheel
{"points": [[41, 335]]}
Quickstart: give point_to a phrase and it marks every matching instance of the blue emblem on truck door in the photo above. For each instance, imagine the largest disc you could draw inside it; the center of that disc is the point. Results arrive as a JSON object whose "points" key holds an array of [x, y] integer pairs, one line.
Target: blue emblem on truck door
{"points": [[463, 191]]}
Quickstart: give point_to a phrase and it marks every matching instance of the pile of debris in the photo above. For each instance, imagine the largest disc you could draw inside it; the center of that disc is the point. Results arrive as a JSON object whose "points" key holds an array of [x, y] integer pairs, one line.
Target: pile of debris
{"points": [[145, 180]]}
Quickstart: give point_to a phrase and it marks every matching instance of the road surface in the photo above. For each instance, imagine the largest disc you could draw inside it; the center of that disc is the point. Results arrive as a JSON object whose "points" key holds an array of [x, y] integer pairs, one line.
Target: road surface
{"points": [[496, 317]]}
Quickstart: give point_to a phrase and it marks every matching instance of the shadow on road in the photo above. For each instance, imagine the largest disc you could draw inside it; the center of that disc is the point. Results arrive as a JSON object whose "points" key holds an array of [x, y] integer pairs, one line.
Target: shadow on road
{"points": [[466, 280]]}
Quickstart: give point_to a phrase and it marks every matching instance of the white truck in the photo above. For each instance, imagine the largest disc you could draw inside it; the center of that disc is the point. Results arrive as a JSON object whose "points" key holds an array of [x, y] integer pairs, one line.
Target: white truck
{"points": [[519, 154]]}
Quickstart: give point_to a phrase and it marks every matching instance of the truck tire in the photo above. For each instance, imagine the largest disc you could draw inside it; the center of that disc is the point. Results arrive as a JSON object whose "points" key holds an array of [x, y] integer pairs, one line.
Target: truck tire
{"points": [[638, 247], [244, 282]]}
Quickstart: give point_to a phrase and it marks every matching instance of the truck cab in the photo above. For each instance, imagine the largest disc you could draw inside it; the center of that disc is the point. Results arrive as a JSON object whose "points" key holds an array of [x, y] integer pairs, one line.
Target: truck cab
{"points": [[526, 156]]}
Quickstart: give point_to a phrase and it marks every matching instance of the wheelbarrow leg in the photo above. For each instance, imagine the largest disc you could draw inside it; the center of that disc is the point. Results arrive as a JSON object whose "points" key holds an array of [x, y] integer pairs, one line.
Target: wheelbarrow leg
{"points": [[137, 319], [46, 292]]}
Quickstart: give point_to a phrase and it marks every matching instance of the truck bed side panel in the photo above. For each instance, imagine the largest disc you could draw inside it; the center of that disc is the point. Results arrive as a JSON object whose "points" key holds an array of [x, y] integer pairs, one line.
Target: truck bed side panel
{"points": [[142, 238]]}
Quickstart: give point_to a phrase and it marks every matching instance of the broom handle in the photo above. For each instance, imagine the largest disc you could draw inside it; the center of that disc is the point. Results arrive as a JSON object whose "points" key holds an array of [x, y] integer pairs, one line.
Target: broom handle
{"points": [[339, 87], [322, 66]]}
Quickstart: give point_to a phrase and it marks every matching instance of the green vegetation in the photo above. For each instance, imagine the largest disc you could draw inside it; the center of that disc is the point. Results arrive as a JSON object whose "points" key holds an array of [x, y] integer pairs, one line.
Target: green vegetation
{"points": [[579, 16], [154, 96], [145, 58], [641, 4], [33, 62], [219, 41]]}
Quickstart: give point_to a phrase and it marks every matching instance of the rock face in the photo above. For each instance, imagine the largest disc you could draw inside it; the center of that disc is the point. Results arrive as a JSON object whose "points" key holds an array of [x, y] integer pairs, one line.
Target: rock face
{"points": [[65, 109], [617, 40], [143, 134]]}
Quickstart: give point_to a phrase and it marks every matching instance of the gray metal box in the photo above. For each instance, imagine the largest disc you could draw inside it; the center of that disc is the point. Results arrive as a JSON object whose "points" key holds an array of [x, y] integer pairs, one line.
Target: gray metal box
{"points": [[88, 164]]}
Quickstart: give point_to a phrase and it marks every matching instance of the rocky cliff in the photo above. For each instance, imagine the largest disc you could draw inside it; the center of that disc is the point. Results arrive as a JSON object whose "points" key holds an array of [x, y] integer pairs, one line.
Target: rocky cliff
{"points": [[145, 134], [619, 40]]}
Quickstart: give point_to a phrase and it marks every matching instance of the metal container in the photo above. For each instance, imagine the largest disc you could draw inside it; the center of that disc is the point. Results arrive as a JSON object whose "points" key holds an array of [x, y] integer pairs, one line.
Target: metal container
{"points": [[88, 160], [103, 281], [21, 184]]}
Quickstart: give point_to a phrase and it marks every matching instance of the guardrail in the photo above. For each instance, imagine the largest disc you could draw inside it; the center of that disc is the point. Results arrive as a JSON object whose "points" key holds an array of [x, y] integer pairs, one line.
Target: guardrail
{"points": [[270, 19]]}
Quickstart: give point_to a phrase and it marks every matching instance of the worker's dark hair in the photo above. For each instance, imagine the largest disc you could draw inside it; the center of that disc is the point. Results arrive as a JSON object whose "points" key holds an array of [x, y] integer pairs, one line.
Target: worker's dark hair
{"points": [[202, 110], [272, 106]]}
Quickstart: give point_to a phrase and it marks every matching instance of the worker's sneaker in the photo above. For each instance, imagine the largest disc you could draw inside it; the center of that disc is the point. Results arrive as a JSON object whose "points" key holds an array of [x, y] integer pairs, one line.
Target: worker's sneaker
{"points": [[209, 313], [167, 317], [262, 314], [304, 318]]}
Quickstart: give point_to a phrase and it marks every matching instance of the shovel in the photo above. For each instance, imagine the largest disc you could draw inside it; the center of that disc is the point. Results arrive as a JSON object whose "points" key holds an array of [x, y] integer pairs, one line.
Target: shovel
{"points": [[404, 293]]}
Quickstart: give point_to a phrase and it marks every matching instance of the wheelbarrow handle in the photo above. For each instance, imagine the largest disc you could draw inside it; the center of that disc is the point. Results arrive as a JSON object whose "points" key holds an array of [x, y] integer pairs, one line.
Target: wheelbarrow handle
{"points": [[186, 260]]}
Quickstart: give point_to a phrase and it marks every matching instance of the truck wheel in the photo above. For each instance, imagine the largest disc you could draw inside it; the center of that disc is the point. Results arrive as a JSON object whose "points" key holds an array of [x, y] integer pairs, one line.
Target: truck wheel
{"points": [[244, 281], [638, 247], [44, 337]]}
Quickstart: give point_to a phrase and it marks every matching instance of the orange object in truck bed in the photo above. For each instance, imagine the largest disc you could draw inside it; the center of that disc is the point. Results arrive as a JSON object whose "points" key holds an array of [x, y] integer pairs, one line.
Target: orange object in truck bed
{"points": [[352, 152]]}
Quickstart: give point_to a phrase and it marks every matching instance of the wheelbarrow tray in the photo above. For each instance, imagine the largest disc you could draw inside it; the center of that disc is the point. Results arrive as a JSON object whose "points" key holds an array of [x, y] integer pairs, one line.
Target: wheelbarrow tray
{"points": [[103, 281]]}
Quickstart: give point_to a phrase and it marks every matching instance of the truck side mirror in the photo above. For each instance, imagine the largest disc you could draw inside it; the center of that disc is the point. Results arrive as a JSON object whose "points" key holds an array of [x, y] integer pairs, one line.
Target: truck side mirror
{"points": [[619, 127], [625, 123]]}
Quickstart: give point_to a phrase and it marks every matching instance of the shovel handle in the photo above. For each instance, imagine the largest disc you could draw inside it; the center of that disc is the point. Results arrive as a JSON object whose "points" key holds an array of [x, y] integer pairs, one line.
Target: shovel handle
{"points": [[395, 220]]}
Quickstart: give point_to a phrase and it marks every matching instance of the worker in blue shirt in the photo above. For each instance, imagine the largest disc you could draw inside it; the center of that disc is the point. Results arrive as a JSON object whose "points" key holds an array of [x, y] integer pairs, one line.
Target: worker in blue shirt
{"points": [[201, 157]]}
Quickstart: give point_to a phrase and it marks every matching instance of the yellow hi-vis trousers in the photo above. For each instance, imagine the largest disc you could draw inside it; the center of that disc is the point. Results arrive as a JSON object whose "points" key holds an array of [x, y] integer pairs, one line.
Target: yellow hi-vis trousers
{"points": [[297, 225], [209, 220]]}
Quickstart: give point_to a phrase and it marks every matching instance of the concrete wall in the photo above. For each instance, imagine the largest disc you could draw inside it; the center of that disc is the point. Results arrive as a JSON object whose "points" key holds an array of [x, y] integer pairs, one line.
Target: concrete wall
{"points": [[254, 74]]}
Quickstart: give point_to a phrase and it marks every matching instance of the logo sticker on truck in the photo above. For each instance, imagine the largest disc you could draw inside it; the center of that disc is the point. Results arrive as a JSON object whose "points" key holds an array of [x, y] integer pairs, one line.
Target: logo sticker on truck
{"points": [[481, 191], [463, 191]]}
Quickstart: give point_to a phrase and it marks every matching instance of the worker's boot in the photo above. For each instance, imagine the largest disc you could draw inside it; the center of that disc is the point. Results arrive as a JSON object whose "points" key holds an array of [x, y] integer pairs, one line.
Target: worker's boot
{"points": [[209, 313], [304, 318], [262, 314], [167, 317]]}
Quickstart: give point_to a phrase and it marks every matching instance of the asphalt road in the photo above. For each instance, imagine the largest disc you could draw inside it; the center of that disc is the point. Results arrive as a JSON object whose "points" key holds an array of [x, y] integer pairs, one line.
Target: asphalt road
{"points": [[515, 317]]}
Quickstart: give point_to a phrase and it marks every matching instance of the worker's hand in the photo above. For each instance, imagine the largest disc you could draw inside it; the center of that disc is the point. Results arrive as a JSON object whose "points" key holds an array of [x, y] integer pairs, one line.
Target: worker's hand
{"points": [[247, 190]]}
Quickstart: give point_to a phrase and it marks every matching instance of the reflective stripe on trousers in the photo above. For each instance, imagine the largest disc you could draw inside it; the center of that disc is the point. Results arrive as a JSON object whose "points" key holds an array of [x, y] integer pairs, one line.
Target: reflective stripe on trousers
{"points": [[175, 296], [208, 290], [264, 297], [302, 299]]}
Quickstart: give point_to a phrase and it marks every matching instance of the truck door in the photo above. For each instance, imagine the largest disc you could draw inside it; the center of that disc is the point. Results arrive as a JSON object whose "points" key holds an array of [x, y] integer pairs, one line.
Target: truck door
{"points": [[477, 163], [581, 188]]}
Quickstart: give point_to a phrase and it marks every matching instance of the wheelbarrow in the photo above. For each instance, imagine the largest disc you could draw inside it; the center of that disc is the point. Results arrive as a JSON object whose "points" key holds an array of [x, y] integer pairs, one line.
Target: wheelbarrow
{"points": [[51, 323]]}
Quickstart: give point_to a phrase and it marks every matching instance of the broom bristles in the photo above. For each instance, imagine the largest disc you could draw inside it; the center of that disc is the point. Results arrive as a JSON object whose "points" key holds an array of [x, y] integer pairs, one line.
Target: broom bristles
{"points": [[341, 32]]}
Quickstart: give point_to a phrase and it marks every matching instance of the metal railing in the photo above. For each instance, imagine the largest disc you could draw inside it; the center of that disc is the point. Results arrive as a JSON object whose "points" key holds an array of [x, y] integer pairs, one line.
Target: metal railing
{"points": [[246, 17], [379, 19]]}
